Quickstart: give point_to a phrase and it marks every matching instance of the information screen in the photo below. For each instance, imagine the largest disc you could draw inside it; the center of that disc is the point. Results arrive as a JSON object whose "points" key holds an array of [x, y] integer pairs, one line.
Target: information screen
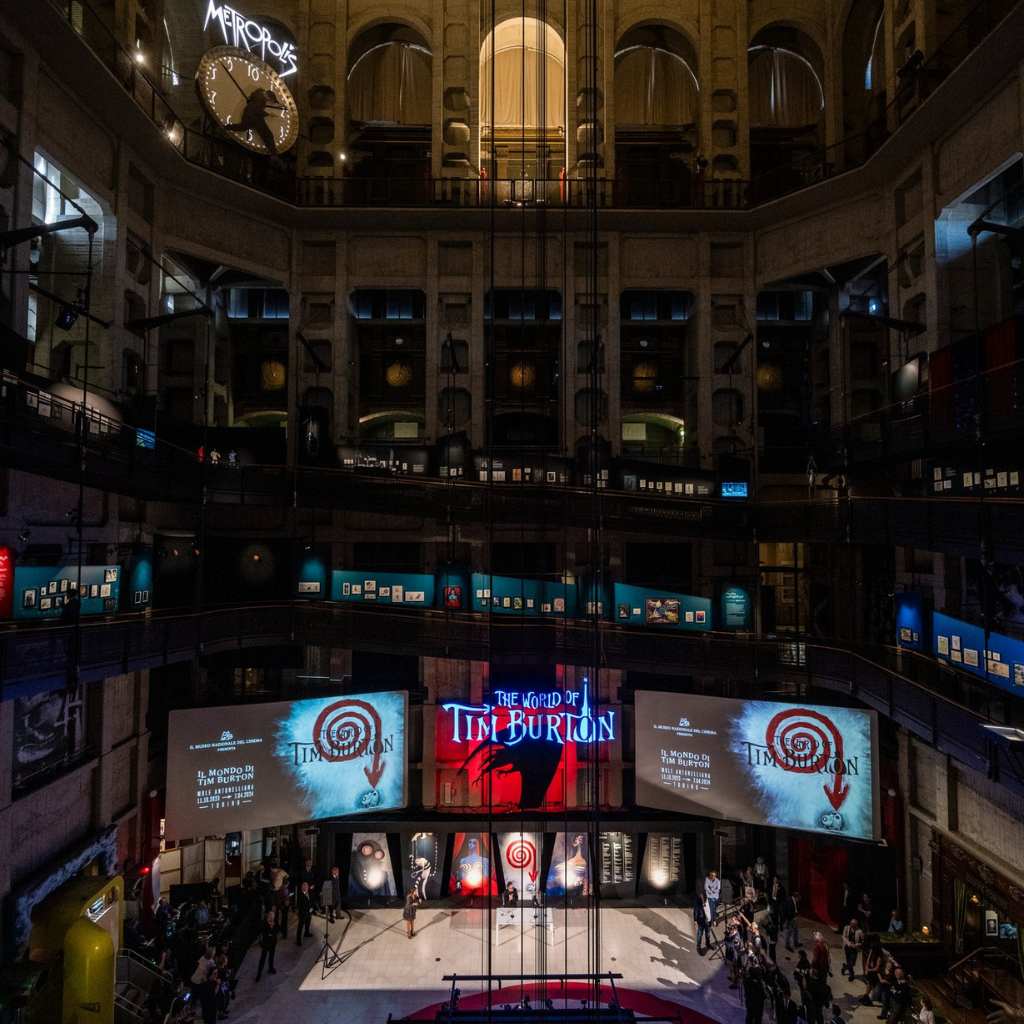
{"points": [[787, 765], [253, 766]]}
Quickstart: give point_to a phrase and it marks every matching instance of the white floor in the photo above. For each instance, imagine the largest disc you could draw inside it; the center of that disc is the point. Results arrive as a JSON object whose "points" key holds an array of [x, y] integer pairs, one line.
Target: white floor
{"points": [[382, 972]]}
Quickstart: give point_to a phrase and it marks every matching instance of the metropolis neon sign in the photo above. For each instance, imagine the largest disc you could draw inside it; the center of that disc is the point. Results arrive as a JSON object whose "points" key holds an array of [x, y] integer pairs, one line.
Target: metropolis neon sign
{"points": [[244, 33], [546, 716]]}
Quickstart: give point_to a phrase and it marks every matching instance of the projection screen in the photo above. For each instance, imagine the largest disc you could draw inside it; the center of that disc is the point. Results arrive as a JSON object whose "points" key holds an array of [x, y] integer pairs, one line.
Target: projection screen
{"points": [[798, 766], [257, 765]]}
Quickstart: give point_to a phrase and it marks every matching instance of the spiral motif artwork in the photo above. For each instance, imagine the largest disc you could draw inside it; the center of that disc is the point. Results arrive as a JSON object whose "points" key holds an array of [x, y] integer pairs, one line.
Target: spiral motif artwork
{"points": [[346, 730], [801, 740], [521, 853]]}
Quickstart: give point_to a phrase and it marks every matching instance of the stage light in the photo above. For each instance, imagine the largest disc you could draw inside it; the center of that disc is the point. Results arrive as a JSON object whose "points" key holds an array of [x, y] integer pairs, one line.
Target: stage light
{"points": [[343, 156], [140, 57]]}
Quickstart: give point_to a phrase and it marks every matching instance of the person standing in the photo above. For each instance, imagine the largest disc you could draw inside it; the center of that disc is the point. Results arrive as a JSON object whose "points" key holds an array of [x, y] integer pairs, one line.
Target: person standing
{"points": [[702, 923], [268, 944], [790, 921], [409, 913], [770, 930], [303, 913], [776, 894], [713, 892], [874, 958], [279, 897], [330, 894], [853, 943], [753, 994], [308, 875]]}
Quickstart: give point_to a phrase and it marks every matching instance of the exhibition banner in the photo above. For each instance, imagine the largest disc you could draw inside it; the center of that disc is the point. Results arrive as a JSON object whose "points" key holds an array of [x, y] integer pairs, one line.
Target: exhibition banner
{"points": [[520, 748], [786, 765], [617, 871], [520, 861], [371, 873], [258, 765], [423, 854], [471, 866], [663, 863], [569, 874]]}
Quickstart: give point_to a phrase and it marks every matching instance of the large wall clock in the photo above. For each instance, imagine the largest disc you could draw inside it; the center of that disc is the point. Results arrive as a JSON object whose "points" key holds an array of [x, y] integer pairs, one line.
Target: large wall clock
{"points": [[248, 100]]}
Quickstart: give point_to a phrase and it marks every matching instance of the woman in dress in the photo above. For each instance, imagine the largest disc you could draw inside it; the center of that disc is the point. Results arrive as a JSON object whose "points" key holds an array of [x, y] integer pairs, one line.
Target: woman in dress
{"points": [[409, 913]]}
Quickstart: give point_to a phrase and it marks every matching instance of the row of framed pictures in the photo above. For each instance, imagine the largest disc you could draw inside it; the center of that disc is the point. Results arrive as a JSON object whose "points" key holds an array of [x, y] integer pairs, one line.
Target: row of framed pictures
{"points": [[560, 865], [55, 593]]}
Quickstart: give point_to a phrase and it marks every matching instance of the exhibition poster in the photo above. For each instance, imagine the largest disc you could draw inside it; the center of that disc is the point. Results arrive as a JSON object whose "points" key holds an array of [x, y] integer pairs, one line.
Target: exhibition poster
{"points": [[569, 874], [371, 873], [520, 860], [471, 866], [423, 853], [799, 766], [257, 765]]}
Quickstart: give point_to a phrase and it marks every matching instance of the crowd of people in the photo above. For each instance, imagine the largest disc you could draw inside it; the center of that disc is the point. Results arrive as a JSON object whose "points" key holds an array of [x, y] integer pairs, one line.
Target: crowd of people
{"points": [[744, 919], [199, 944]]}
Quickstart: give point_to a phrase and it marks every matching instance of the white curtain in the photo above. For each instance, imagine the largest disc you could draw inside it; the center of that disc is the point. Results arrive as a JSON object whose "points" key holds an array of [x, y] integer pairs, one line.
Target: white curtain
{"points": [[391, 83], [654, 87], [784, 90], [529, 76]]}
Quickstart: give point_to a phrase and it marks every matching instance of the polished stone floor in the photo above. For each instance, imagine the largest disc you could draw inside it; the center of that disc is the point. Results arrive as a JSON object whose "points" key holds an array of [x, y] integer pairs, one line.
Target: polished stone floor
{"points": [[380, 971]]}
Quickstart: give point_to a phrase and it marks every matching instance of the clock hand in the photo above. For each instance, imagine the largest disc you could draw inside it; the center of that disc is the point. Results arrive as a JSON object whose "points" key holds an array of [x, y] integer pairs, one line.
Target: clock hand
{"points": [[245, 95]]}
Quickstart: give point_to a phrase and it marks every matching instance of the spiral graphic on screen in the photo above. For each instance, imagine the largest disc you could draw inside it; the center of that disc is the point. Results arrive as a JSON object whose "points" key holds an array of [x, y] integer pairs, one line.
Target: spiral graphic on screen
{"points": [[520, 853], [801, 740], [346, 730]]}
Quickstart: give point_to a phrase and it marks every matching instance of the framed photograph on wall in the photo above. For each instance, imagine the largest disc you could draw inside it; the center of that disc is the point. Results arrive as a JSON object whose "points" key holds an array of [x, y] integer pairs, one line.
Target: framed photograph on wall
{"points": [[28, 599], [45, 604], [346, 589], [94, 590], [64, 586], [110, 575], [51, 587]]}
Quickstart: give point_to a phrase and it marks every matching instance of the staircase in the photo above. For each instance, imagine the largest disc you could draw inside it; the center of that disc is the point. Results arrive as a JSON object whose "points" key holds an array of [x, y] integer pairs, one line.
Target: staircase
{"points": [[136, 979], [966, 992]]}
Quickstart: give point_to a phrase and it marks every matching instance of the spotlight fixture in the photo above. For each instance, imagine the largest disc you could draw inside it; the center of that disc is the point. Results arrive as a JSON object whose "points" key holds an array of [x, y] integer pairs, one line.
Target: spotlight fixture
{"points": [[140, 57], [343, 156], [24, 536], [66, 318]]}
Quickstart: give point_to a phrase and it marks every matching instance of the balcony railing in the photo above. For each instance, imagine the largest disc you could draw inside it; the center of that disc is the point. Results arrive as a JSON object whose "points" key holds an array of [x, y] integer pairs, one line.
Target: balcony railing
{"points": [[277, 177]]}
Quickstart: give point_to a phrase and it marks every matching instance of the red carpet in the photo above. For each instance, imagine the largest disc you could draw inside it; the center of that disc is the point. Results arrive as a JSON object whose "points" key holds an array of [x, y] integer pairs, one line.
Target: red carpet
{"points": [[642, 1003]]}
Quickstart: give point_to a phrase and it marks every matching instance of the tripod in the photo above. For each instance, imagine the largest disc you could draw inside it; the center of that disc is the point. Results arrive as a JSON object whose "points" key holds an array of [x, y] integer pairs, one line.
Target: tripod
{"points": [[329, 955], [718, 949]]}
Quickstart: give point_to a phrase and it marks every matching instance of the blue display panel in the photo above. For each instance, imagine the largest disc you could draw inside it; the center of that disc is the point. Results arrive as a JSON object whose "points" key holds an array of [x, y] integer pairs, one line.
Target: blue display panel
{"points": [[736, 608], [312, 578], [510, 595], [643, 606], [734, 489], [962, 645], [409, 589], [911, 632], [43, 592], [138, 590]]}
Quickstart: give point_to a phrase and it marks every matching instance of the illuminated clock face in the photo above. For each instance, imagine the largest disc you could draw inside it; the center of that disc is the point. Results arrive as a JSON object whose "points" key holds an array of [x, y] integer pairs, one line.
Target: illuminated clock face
{"points": [[247, 98]]}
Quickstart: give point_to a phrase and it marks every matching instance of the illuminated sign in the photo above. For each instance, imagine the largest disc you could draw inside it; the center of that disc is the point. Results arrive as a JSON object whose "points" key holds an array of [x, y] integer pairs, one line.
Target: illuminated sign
{"points": [[246, 34], [734, 489], [550, 717]]}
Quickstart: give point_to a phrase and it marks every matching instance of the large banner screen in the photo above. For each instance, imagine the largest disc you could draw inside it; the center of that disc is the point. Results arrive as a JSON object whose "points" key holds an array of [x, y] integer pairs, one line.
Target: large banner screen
{"points": [[787, 765], [257, 765]]}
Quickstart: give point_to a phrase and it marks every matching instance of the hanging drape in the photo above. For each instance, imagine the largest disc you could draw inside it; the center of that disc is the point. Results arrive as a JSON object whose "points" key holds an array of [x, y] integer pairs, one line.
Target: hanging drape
{"points": [[529, 76], [784, 90], [391, 83], [654, 87], [960, 898]]}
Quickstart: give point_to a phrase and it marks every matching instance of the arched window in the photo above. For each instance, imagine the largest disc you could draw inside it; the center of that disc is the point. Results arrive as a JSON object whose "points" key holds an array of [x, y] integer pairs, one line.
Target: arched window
{"points": [[522, 77], [389, 77], [785, 89], [655, 81]]}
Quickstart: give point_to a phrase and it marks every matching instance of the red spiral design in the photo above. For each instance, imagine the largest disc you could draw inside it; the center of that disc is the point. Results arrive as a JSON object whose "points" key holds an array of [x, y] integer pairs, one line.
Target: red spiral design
{"points": [[345, 730], [521, 853], [802, 740]]}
